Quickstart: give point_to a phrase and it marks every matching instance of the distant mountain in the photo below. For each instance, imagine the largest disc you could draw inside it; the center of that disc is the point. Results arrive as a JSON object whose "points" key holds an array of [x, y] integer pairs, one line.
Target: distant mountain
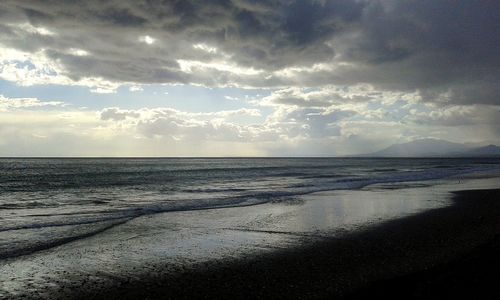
{"points": [[433, 148], [490, 150]]}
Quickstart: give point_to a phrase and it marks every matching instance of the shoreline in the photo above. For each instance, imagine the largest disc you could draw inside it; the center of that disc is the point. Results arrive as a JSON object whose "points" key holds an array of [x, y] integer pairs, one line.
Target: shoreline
{"points": [[316, 246], [412, 251]]}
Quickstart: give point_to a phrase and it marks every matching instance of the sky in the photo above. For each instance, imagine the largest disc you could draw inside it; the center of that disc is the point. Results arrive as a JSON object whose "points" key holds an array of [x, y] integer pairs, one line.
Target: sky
{"points": [[245, 78]]}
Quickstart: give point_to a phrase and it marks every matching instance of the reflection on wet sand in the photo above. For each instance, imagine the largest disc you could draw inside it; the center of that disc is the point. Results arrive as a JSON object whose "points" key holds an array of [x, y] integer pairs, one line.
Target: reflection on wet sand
{"points": [[172, 242]]}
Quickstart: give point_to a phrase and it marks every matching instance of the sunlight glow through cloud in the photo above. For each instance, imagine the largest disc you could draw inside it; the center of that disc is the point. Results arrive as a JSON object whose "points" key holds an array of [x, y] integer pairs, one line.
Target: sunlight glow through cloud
{"points": [[327, 77], [147, 39]]}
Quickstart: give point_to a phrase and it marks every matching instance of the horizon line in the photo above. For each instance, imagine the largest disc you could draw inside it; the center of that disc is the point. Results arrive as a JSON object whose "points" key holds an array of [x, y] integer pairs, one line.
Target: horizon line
{"points": [[234, 157]]}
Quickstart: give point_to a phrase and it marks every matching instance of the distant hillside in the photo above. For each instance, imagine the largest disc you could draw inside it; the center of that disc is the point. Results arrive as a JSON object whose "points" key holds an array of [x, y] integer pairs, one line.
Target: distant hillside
{"points": [[490, 150], [433, 148]]}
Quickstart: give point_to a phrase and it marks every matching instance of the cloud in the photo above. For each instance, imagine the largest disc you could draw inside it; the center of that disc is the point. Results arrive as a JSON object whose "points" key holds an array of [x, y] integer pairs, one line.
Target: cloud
{"points": [[7, 104], [334, 95], [135, 88], [287, 130], [338, 75], [457, 115], [179, 125], [27, 69], [170, 122], [348, 125], [434, 47], [283, 124], [116, 114]]}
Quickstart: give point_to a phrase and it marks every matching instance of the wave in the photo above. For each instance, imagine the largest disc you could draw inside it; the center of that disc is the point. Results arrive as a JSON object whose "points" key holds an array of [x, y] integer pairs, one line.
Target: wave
{"points": [[243, 197], [384, 170], [60, 224], [312, 176], [13, 252], [104, 220], [213, 190]]}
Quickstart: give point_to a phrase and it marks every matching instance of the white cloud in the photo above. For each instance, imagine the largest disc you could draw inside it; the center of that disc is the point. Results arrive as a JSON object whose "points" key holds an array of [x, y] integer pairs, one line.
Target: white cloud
{"points": [[456, 115], [288, 130], [335, 95], [231, 98], [27, 69], [27, 27], [7, 104], [78, 52], [136, 88], [195, 67], [116, 114], [168, 122], [205, 47]]}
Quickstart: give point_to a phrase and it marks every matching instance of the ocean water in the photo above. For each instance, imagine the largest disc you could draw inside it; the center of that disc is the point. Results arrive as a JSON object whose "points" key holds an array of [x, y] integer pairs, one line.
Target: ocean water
{"points": [[48, 202]]}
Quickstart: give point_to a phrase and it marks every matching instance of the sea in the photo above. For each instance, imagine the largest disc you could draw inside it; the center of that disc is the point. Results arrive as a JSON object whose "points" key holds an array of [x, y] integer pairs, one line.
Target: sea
{"points": [[45, 202]]}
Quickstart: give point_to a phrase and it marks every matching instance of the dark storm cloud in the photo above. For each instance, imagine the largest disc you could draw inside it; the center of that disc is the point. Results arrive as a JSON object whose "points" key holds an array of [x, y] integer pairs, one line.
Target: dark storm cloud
{"points": [[447, 50], [440, 46]]}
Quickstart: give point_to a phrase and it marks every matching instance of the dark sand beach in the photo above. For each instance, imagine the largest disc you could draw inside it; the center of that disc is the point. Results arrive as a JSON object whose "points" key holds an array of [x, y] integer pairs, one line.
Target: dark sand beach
{"points": [[450, 251]]}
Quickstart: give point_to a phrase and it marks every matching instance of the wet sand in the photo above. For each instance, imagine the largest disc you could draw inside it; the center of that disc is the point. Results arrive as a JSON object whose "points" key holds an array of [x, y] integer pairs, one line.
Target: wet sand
{"points": [[403, 240], [451, 251]]}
